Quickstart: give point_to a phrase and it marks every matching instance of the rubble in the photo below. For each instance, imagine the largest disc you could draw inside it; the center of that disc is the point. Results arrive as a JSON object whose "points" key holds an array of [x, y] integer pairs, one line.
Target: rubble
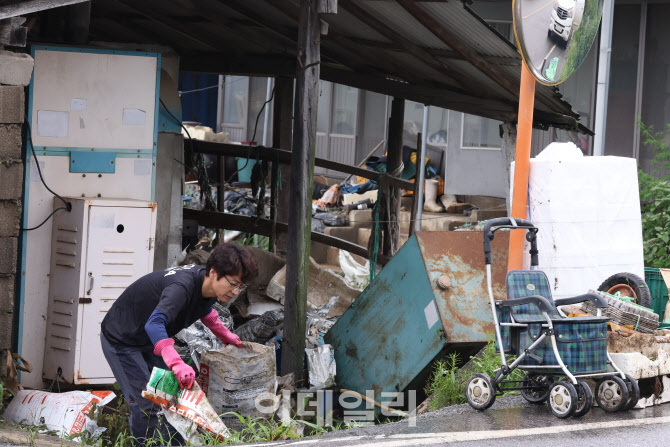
{"points": [[323, 285]]}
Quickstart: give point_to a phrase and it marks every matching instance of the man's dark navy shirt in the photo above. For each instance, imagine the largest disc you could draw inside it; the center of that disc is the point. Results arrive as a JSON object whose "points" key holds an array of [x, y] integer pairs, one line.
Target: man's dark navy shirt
{"points": [[175, 292]]}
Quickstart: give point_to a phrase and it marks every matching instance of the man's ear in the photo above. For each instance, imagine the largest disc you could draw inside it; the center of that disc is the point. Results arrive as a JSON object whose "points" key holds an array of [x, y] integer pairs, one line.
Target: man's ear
{"points": [[213, 275]]}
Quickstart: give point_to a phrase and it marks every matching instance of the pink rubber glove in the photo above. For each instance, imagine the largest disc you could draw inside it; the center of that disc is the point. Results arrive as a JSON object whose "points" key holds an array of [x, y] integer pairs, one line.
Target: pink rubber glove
{"points": [[215, 325], [185, 374]]}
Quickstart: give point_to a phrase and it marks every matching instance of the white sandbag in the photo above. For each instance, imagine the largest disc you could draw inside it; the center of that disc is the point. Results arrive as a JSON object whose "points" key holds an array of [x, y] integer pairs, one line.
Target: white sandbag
{"points": [[234, 377], [69, 414], [588, 212]]}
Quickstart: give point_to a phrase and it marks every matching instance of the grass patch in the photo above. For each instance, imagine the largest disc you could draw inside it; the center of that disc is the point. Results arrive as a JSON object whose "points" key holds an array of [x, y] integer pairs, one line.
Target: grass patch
{"points": [[447, 382]]}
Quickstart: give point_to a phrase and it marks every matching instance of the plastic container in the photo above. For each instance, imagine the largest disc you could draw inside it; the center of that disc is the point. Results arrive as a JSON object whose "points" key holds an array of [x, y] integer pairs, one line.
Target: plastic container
{"points": [[658, 289], [244, 174]]}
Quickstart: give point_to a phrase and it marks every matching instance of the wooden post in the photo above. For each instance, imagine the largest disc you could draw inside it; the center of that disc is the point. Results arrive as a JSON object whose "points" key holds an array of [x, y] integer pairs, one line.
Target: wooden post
{"points": [[521, 166], [415, 193], [508, 135], [281, 137], [302, 173], [392, 236]]}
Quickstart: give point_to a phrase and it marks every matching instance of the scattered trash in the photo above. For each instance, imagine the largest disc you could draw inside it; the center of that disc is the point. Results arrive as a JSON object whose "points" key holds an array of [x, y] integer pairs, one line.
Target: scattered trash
{"points": [[624, 313], [329, 197], [331, 220], [15, 363], [68, 414], [188, 411], [321, 366], [318, 324], [317, 226], [192, 341], [355, 274], [261, 329], [323, 284], [239, 202], [234, 378], [197, 257]]}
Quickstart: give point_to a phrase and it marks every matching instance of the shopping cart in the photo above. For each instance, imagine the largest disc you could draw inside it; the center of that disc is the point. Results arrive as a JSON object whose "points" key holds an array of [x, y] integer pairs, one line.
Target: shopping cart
{"points": [[556, 352]]}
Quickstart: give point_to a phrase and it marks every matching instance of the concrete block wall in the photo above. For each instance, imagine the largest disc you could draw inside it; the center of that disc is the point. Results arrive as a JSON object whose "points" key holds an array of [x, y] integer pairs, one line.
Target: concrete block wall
{"points": [[12, 100]]}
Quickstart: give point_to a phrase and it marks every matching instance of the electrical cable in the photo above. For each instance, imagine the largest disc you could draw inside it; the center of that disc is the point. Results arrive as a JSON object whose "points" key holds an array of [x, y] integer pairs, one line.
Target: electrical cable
{"points": [[68, 205]]}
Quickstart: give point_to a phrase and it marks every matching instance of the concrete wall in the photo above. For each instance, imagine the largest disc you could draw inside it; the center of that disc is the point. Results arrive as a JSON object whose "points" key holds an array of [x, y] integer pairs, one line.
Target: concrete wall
{"points": [[472, 171], [11, 180]]}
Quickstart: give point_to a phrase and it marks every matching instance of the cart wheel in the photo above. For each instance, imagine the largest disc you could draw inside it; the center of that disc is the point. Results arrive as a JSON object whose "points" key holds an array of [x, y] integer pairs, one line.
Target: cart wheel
{"points": [[562, 399], [584, 399], [633, 391], [539, 395], [480, 391], [611, 394]]}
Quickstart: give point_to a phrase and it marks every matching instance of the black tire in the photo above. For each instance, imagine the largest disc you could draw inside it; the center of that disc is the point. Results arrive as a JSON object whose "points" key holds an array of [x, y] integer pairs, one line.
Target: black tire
{"points": [[480, 392], [562, 400], [538, 396], [634, 393], [642, 293], [611, 394], [584, 399]]}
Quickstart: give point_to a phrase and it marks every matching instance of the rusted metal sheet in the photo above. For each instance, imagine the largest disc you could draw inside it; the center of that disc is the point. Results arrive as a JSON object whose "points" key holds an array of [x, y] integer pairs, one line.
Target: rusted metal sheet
{"points": [[392, 330], [464, 306]]}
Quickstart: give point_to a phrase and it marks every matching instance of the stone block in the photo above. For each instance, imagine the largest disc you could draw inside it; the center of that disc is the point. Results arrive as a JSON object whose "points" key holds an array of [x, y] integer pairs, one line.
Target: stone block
{"points": [[10, 141], [10, 218], [7, 288], [8, 255], [347, 233], [484, 202], [11, 180], [15, 68], [333, 256], [12, 108], [479, 215], [6, 329], [364, 236], [360, 218]]}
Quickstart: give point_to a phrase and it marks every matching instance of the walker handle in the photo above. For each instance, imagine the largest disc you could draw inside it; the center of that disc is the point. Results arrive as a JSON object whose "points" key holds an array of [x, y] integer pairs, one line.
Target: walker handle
{"points": [[494, 225]]}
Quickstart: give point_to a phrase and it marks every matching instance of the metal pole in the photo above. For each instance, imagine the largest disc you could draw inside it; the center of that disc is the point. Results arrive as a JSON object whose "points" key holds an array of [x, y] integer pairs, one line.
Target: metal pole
{"points": [[602, 90], [421, 168], [522, 165]]}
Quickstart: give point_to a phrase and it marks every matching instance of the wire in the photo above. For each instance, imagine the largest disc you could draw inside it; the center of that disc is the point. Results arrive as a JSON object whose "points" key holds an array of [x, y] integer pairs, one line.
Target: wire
{"points": [[68, 205], [205, 186], [210, 87]]}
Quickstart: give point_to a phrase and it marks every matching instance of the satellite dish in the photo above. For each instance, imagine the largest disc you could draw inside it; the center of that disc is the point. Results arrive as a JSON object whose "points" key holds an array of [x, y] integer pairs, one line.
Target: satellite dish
{"points": [[555, 36]]}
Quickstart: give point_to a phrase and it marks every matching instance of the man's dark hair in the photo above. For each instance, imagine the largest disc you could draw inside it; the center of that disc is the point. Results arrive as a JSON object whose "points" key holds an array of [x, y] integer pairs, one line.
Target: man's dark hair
{"points": [[231, 259]]}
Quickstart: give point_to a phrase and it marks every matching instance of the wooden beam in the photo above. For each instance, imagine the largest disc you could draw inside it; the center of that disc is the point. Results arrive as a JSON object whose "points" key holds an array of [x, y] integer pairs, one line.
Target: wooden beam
{"points": [[415, 193], [285, 157], [28, 7], [78, 19], [264, 227], [302, 174], [327, 7]]}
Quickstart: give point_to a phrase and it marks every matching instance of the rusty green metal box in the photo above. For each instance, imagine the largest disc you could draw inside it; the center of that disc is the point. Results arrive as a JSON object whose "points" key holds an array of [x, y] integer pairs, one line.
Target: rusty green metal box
{"points": [[403, 320]]}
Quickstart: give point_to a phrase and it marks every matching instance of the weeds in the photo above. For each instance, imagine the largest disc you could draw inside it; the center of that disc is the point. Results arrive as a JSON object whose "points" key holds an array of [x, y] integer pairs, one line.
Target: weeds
{"points": [[447, 383], [4, 390]]}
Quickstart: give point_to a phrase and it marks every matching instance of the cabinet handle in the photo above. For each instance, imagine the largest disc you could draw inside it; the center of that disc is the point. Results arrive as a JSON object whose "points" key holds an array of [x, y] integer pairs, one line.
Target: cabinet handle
{"points": [[90, 283]]}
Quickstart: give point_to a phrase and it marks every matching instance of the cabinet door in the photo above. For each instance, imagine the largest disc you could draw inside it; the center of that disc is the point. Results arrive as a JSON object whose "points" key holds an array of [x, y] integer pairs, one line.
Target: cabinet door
{"points": [[119, 251]]}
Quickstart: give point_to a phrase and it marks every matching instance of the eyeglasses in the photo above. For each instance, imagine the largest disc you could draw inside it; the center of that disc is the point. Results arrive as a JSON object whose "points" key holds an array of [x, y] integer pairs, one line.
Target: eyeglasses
{"points": [[240, 288]]}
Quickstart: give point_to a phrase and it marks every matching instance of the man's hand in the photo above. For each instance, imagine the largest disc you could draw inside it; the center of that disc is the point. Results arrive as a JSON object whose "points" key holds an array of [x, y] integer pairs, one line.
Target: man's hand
{"points": [[215, 325], [185, 374]]}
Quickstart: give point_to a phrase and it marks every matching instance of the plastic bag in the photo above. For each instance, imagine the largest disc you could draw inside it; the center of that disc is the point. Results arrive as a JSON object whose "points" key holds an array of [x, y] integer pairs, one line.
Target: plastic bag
{"points": [[263, 328], [329, 197], [321, 365], [197, 338], [233, 378], [355, 274], [66, 413], [188, 411], [331, 220]]}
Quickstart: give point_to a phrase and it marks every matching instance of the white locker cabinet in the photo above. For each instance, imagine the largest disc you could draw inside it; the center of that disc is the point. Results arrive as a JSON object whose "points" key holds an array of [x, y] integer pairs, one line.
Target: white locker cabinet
{"points": [[97, 250]]}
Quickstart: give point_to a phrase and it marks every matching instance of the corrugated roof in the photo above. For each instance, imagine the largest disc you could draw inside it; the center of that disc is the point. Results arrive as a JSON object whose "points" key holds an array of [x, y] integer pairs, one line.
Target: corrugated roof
{"points": [[434, 52]]}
